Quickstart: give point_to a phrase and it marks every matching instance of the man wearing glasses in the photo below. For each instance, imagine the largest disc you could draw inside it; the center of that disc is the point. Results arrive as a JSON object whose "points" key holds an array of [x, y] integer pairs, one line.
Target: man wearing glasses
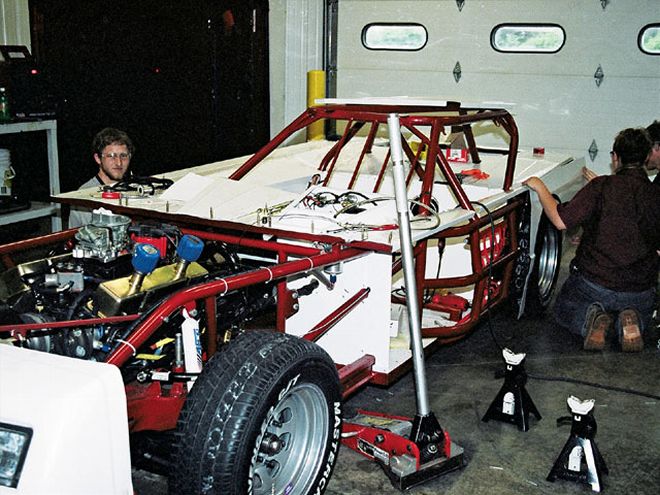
{"points": [[112, 151]]}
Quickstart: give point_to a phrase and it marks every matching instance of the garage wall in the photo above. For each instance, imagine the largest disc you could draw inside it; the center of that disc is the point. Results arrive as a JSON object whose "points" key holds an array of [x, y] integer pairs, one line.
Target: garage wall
{"points": [[14, 22], [556, 101], [295, 47]]}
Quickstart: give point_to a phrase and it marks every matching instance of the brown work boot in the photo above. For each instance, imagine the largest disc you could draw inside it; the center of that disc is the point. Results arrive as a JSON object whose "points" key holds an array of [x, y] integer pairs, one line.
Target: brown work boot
{"points": [[598, 326], [631, 336]]}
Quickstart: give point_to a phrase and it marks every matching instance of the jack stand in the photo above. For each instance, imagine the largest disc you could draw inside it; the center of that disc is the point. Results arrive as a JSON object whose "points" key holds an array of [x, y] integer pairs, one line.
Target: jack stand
{"points": [[512, 404], [580, 459], [409, 452]]}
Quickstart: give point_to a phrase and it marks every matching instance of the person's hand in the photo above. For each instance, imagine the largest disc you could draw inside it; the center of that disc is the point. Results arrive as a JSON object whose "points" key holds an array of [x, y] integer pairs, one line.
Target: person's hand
{"points": [[533, 183], [588, 174]]}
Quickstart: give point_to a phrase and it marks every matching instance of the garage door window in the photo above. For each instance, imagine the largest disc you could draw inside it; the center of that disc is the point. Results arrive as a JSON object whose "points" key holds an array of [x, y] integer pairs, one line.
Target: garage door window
{"points": [[386, 36], [649, 39], [527, 38]]}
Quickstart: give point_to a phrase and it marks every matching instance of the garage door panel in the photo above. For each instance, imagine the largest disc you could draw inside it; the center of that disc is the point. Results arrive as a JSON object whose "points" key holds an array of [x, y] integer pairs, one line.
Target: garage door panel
{"points": [[465, 37], [561, 119], [557, 101]]}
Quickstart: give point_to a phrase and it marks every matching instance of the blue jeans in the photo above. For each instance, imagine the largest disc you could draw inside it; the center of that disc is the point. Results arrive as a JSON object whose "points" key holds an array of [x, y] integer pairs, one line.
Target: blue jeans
{"points": [[578, 294]]}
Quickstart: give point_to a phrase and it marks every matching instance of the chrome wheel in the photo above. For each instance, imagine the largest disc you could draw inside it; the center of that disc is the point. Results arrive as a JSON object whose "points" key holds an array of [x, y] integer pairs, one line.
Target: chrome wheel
{"points": [[548, 258], [291, 445]]}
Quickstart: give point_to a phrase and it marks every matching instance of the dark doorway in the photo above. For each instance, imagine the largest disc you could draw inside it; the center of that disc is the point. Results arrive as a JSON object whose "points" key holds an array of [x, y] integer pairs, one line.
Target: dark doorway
{"points": [[187, 79]]}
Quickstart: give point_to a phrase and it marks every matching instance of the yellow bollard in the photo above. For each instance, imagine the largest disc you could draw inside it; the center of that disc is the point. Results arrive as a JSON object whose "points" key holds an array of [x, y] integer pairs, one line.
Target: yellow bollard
{"points": [[315, 89]]}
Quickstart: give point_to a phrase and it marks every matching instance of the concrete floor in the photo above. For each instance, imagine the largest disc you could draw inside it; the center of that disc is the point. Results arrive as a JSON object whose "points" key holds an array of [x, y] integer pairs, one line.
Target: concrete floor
{"points": [[501, 459]]}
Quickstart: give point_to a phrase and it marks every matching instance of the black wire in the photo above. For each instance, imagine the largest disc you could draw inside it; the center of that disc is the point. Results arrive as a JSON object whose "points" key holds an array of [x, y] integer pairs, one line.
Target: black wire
{"points": [[349, 196], [592, 384], [132, 183], [428, 293], [400, 292], [490, 273]]}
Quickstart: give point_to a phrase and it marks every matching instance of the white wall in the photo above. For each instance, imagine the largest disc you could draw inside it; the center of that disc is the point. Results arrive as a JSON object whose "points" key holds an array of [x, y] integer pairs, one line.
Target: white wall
{"points": [[276, 62], [14, 23], [557, 102], [296, 47]]}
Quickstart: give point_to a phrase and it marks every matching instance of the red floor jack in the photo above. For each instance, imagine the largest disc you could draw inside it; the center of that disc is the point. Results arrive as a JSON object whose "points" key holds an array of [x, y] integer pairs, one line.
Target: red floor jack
{"points": [[410, 451], [580, 459]]}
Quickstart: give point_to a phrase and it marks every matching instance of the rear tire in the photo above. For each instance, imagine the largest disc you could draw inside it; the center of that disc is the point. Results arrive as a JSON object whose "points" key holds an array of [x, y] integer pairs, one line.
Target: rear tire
{"points": [[264, 417], [543, 280]]}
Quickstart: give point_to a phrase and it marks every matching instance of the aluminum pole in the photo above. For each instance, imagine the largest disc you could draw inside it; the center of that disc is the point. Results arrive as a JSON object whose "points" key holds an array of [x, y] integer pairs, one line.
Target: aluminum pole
{"points": [[405, 240]]}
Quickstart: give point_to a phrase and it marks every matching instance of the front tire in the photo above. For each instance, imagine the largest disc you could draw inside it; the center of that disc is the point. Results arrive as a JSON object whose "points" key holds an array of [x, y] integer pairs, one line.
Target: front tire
{"points": [[264, 417]]}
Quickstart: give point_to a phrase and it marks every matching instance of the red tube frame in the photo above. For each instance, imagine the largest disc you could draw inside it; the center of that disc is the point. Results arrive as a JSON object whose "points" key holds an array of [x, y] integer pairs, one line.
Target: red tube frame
{"points": [[333, 249]]}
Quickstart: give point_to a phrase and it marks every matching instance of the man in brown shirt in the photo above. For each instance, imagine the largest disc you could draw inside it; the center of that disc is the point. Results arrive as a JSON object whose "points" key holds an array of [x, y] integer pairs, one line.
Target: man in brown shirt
{"points": [[616, 264]]}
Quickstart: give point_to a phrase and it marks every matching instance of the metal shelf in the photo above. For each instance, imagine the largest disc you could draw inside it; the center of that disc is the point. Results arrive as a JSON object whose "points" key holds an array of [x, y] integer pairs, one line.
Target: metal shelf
{"points": [[38, 210]]}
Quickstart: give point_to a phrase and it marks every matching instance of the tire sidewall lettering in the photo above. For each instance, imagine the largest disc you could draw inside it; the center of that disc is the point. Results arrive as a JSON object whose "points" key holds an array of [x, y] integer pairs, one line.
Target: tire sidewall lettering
{"points": [[334, 447]]}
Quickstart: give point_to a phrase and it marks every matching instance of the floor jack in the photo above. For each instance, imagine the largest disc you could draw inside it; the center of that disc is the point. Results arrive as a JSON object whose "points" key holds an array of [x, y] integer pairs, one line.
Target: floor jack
{"points": [[410, 451], [580, 459], [512, 403]]}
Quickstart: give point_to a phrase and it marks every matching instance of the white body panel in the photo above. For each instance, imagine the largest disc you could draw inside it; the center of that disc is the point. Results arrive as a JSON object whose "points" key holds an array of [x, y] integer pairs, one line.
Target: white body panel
{"points": [[77, 410], [365, 330]]}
